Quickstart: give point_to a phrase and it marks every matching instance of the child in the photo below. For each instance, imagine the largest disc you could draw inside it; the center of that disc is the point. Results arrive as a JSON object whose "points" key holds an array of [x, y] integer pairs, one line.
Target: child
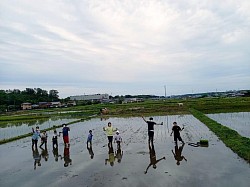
{"points": [[89, 140], [44, 139], [118, 139], [54, 139], [176, 130]]}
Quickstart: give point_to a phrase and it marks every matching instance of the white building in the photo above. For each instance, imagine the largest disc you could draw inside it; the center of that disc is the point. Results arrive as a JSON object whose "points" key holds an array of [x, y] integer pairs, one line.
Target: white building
{"points": [[89, 97]]}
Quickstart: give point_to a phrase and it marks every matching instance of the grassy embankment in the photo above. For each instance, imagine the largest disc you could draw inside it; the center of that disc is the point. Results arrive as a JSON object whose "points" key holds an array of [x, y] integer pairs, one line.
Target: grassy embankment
{"points": [[230, 137]]}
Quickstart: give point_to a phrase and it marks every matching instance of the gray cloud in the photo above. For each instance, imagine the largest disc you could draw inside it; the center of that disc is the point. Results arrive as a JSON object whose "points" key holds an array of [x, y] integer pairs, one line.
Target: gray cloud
{"points": [[125, 47]]}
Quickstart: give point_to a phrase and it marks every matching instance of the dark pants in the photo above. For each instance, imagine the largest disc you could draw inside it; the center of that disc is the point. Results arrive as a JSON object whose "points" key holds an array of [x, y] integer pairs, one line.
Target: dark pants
{"points": [[34, 142], [110, 138], [55, 143], [177, 137], [44, 141], [150, 135]]}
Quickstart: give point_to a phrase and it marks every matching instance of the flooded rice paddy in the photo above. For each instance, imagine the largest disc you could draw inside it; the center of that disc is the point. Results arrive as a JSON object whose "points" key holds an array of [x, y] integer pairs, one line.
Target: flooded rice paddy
{"points": [[239, 122], [20, 128], [215, 165]]}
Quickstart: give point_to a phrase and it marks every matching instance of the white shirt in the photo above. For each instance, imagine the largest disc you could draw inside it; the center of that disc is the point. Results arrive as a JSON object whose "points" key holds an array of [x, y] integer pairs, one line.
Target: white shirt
{"points": [[118, 138]]}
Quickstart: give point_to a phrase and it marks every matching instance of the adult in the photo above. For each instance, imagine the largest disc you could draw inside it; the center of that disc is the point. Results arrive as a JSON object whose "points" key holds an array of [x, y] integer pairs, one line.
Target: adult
{"points": [[176, 130], [35, 137], [109, 130], [65, 132], [151, 124]]}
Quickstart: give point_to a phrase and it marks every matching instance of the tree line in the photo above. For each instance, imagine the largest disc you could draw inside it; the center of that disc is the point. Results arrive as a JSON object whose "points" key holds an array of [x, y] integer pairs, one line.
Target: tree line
{"points": [[12, 99]]}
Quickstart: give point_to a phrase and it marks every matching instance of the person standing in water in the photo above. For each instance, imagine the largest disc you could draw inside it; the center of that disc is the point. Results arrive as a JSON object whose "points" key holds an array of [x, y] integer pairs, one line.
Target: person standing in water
{"points": [[118, 139], [35, 137], [89, 139], [110, 130], [65, 132], [176, 130], [151, 124], [44, 138], [54, 139]]}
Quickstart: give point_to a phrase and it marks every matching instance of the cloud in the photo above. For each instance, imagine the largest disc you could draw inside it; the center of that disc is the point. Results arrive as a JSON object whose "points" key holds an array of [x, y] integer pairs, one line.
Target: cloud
{"points": [[125, 47]]}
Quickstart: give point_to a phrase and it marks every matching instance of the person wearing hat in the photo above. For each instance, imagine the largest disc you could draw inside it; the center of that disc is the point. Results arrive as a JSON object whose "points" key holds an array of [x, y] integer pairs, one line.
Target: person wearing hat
{"points": [[118, 139], [151, 124]]}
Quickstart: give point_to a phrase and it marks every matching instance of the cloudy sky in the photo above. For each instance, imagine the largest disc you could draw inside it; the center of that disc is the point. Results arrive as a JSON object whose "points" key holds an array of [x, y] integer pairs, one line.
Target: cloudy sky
{"points": [[124, 47]]}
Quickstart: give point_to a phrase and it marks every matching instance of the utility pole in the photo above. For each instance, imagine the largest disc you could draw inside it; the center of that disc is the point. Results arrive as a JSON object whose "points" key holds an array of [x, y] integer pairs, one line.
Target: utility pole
{"points": [[165, 91]]}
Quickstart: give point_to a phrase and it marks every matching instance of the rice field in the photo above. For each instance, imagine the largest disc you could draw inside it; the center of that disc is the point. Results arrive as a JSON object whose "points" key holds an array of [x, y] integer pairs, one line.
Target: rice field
{"points": [[239, 121], [215, 165], [15, 129]]}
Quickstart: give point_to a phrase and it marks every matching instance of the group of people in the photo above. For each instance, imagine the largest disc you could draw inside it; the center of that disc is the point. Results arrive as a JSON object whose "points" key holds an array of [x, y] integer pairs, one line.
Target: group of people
{"points": [[117, 139], [44, 138]]}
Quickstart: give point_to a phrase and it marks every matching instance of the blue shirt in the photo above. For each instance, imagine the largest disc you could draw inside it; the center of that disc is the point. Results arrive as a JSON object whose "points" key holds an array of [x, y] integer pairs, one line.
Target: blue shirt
{"points": [[35, 135], [65, 131], [90, 137]]}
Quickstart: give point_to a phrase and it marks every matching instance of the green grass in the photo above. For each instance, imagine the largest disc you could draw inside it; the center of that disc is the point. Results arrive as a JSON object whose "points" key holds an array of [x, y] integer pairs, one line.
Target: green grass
{"points": [[231, 138], [153, 107]]}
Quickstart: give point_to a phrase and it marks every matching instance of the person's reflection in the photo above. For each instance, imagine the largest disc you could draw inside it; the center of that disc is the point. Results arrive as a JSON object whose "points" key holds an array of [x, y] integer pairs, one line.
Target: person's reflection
{"points": [[45, 154], [177, 154], [66, 156], [119, 154], [55, 153], [37, 157], [111, 158], [91, 153], [152, 154]]}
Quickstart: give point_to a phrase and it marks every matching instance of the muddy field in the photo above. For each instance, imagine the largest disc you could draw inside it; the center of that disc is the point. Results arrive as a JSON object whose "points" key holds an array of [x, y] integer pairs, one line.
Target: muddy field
{"points": [[215, 165]]}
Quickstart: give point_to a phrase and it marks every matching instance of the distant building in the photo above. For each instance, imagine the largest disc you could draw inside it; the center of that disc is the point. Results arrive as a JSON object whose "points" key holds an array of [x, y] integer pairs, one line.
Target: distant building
{"points": [[132, 100], [55, 104], [43, 104], [26, 106], [94, 97], [71, 103]]}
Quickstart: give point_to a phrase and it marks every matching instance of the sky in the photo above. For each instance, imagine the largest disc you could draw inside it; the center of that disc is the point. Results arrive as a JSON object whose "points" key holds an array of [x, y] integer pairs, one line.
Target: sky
{"points": [[125, 47]]}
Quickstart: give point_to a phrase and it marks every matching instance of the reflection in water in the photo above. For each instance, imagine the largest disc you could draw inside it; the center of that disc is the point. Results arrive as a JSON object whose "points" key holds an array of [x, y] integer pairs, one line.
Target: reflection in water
{"points": [[55, 153], [111, 154], [91, 153], [66, 156], [45, 154], [119, 154], [152, 154], [104, 118], [37, 157], [177, 154]]}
